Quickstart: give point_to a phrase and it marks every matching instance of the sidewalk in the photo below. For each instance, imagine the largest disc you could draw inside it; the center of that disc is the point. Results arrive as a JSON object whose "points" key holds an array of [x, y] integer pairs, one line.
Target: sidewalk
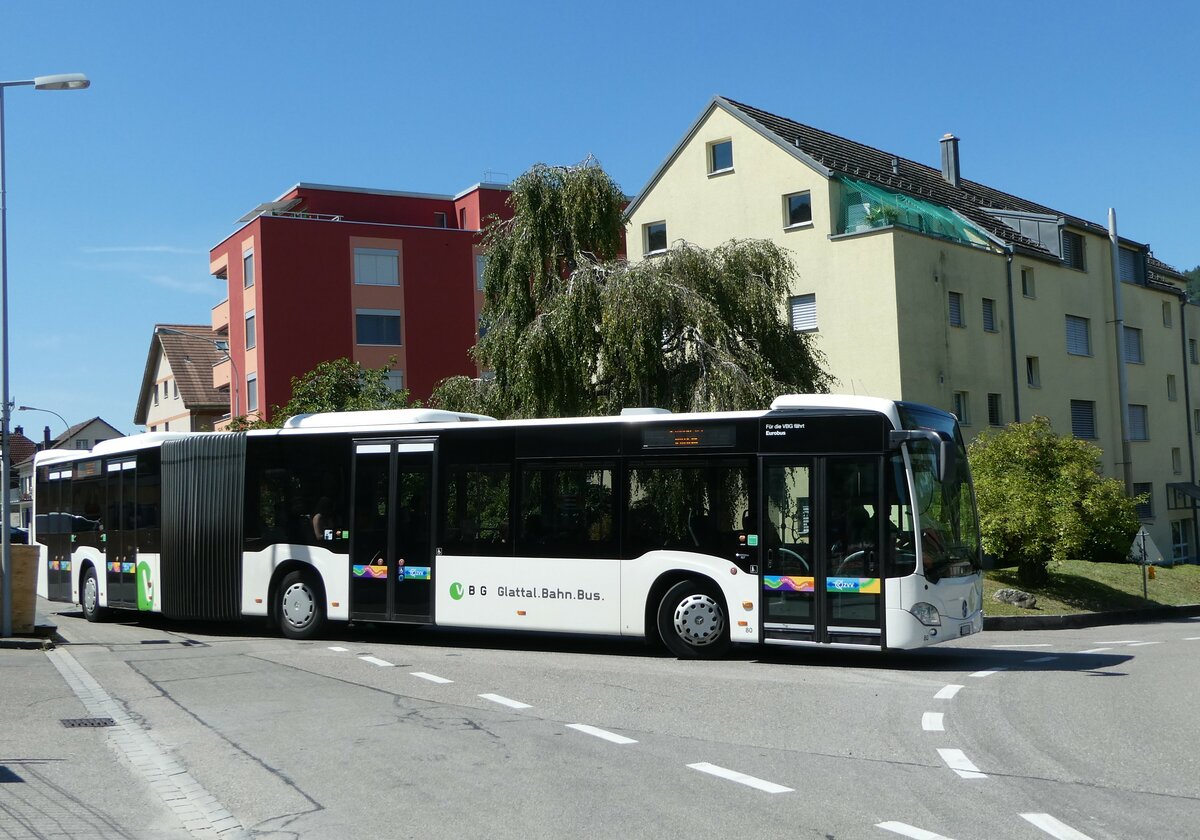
{"points": [[59, 781]]}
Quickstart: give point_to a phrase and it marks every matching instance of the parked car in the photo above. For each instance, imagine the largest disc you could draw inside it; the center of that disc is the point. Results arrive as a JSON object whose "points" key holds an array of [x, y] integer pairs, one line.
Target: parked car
{"points": [[17, 535]]}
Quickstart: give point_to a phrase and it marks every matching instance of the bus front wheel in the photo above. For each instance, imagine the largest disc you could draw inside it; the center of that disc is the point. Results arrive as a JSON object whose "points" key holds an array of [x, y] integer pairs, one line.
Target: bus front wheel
{"points": [[301, 606], [89, 596], [692, 621]]}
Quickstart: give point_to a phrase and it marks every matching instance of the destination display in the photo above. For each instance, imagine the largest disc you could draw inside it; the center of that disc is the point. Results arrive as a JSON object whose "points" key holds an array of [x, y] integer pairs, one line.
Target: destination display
{"points": [[688, 437]]}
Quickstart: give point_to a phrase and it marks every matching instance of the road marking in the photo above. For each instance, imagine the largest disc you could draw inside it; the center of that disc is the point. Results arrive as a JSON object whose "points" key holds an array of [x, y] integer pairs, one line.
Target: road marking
{"points": [[1191, 638], [910, 831], [504, 701], [1122, 642], [1054, 827], [433, 678], [988, 672], [1046, 644], [339, 649], [1041, 659], [1095, 650], [1142, 644], [740, 778], [600, 733], [382, 663], [957, 761], [932, 722], [947, 693]]}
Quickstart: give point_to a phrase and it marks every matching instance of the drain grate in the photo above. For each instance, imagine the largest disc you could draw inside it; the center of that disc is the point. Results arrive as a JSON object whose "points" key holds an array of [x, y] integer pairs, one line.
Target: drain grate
{"points": [[88, 723]]}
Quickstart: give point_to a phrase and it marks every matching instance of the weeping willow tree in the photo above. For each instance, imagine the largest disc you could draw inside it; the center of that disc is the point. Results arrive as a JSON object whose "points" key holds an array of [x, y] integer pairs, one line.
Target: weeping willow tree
{"points": [[571, 330]]}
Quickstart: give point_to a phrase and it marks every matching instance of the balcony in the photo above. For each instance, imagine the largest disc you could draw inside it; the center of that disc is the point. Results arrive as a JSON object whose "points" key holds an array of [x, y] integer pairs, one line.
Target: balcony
{"points": [[222, 372], [220, 316]]}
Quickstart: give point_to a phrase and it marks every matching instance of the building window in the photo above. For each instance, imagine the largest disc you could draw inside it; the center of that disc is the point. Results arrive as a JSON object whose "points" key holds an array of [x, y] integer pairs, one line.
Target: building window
{"points": [[1171, 387], [956, 311], [1072, 250], [1133, 346], [251, 337], [252, 392], [154, 391], [480, 265], [994, 418], [1181, 540], [1145, 509], [1166, 314], [797, 209], [1176, 460], [376, 267], [1139, 422], [1127, 261], [989, 315], [462, 218], [1079, 340], [1027, 288], [1193, 352], [655, 234], [439, 219], [804, 313], [962, 408], [248, 269], [720, 156], [377, 326], [1083, 419], [81, 443], [175, 388], [395, 380], [1033, 372]]}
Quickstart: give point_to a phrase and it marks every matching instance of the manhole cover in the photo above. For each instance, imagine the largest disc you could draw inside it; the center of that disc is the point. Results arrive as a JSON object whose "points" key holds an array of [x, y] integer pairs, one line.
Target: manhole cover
{"points": [[86, 723]]}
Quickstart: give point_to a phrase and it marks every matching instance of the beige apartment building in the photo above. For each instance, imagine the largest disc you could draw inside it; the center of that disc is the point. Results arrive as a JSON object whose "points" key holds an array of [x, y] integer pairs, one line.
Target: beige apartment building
{"points": [[922, 285]]}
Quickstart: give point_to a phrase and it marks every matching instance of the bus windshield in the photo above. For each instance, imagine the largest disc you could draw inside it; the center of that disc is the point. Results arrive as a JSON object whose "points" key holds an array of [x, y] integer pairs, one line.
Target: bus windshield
{"points": [[946, 508]]}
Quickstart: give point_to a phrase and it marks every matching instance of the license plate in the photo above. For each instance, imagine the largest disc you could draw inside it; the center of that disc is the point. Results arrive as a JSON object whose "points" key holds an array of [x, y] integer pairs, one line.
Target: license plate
{"points": [[964, 630]]}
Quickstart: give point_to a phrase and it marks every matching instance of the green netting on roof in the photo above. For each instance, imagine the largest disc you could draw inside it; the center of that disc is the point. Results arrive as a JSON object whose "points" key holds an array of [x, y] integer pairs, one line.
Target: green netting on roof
{"points": [[866, 206]]}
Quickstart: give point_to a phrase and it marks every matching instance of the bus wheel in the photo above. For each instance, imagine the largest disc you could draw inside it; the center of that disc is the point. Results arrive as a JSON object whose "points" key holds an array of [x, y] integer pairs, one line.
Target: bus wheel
{"points": [[301, 607], [90, 596], [692, 622]]}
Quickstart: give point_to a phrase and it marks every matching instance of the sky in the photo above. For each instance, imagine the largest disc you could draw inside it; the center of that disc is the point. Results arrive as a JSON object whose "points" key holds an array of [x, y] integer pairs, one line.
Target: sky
{"points": [[198, 112]]}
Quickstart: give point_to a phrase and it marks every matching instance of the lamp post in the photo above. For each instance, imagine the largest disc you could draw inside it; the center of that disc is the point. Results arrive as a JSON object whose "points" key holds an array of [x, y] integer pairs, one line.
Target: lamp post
{"points": [[221, 345], [61, 81], [66, 425]]}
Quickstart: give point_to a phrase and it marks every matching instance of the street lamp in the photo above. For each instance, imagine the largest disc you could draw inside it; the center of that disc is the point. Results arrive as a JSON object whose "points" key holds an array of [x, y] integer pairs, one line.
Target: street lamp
{"points": [[66, 425], [221, 345], [60, 81]]}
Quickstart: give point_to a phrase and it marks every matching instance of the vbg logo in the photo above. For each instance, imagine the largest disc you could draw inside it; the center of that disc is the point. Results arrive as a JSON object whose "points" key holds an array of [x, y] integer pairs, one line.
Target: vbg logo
{"points": [[456, 591]]}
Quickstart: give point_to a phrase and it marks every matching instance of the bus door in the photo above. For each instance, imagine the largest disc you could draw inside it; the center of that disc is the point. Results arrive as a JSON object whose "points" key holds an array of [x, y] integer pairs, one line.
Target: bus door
{"points": [[391, 539], [120, 537], [53, 528], [819, 547]]}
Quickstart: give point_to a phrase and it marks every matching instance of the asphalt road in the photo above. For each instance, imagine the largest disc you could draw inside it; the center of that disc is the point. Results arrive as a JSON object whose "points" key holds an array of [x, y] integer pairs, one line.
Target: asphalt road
{"points": [[426, 734]]}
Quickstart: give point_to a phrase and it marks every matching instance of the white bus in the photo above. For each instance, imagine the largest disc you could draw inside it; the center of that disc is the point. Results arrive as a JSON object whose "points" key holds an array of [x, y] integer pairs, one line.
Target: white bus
{"points": [[827, 521]]}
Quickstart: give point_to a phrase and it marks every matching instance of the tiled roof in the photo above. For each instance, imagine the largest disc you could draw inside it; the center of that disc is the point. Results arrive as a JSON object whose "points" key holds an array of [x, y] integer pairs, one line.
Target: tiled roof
{"points": [[20, 448], [79, 427], [857, 160], [191, 363]]}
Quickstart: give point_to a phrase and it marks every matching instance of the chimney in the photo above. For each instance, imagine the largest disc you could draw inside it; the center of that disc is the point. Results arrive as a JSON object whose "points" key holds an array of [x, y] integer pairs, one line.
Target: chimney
{"points": [[19, 430], [46, 435], [950, 159]]}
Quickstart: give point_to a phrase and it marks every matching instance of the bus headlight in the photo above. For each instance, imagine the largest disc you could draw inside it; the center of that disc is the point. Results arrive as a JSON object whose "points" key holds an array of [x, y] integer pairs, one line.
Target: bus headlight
{"points": [[927, 614]]}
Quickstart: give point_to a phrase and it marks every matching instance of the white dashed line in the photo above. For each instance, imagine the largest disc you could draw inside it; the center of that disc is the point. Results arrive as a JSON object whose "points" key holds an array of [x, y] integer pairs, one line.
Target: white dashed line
{"points": [[932, 722], [988, 672], [1191, 638], [1122, 642], [1040, 659], [910, 831], [1142, 644], [957, 761], [1054, 827], [740, 778], [600, 733], [382, 663], [339, 649], [1046, 644], [433, 678], [948, 692], [504, 701], [1095, 650]]}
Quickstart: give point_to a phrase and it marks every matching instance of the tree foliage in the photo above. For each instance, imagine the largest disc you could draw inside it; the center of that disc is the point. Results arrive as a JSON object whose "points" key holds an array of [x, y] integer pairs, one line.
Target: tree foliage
{"points": [[1193, 283], [1042, 497], [334, 385], [570, 330]]}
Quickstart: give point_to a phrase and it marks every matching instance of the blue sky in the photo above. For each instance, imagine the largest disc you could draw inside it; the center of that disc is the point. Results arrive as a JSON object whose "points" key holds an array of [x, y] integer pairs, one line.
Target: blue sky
{"points": [[198, 112]]}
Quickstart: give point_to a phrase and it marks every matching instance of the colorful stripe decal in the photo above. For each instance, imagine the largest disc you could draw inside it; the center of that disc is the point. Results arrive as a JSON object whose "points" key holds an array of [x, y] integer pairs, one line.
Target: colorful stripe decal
{"points": [[863, 586], [373, 572], [792, 583], [416, 573], [787, 583]]}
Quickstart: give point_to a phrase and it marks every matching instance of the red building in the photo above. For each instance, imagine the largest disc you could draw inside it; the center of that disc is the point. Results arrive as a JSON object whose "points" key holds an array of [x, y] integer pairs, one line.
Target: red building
{"points": [[325, 272]]}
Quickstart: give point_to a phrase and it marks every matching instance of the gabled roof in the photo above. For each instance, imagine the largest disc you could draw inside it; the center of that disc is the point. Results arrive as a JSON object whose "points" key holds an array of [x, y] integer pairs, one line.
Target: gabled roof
{"points": [[191, 361], [79, 427], [832, 155]]}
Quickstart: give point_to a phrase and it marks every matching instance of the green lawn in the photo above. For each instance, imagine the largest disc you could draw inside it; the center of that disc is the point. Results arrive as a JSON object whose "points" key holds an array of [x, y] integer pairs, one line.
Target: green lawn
{"points": [[1077, 586]]}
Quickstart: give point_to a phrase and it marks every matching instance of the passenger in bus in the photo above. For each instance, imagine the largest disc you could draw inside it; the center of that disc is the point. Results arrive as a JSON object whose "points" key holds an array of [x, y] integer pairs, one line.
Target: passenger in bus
{"points": [[322, 519]]}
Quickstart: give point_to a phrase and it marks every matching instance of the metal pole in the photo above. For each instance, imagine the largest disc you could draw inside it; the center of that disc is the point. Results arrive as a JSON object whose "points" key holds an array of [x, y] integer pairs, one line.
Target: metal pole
{"points": [[1122, 384], [5, 534]]}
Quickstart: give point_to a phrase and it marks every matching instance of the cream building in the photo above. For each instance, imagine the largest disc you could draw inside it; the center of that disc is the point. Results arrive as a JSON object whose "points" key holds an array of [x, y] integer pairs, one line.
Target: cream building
{"points": [[921, 285], [177, 393]]}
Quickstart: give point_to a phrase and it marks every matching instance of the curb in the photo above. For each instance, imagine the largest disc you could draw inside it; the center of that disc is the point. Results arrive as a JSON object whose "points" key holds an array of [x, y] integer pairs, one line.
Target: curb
{"points": [[43, 637], [1069, 622]]}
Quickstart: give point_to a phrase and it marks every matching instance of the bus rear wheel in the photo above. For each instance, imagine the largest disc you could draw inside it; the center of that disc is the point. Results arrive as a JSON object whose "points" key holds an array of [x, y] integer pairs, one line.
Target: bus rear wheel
{"points": [[301, 606], [89, 596], [692, 622]]}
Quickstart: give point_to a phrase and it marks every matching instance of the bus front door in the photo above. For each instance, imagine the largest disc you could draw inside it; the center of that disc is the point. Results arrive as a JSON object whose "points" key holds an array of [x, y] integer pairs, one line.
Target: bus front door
{"points": [[391, 545], [819, 538]]}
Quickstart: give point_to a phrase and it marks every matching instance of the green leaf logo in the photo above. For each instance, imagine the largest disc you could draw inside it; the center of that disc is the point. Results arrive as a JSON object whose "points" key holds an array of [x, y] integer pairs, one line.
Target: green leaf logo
{"points": [[456, 591]]}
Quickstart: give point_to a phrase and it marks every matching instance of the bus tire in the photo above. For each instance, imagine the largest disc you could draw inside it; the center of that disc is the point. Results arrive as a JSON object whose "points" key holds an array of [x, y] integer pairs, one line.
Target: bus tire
{"points": [[89, 596], [692, 621], [301, 606]]}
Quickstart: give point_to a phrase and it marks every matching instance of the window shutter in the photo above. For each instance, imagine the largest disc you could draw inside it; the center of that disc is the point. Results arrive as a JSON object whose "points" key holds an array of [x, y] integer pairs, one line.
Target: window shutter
{"points": [[804, 313], [1138, 425], [1127, 265], [1083, 418], [989, 314], [1133, 345], [956, 319], [1077, 336]]}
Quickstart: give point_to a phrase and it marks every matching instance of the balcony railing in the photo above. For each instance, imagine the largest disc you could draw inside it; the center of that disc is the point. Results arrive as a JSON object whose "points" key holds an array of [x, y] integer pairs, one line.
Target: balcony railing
{"points": [[220, 316]]}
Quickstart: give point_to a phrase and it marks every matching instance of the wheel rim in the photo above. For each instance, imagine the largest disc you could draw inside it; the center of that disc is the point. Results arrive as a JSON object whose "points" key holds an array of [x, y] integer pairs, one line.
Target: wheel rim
{"points": [[89, 594], [299, 605], [699, 620]]}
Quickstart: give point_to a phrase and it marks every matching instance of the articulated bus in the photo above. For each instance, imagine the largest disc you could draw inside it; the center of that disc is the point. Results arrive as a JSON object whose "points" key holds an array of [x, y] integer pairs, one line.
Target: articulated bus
{"points": [[828, 521]]}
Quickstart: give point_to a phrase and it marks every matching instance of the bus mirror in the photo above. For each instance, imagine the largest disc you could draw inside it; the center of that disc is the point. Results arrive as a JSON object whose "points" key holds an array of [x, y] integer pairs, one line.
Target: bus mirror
{"points": [[945, 456]]}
